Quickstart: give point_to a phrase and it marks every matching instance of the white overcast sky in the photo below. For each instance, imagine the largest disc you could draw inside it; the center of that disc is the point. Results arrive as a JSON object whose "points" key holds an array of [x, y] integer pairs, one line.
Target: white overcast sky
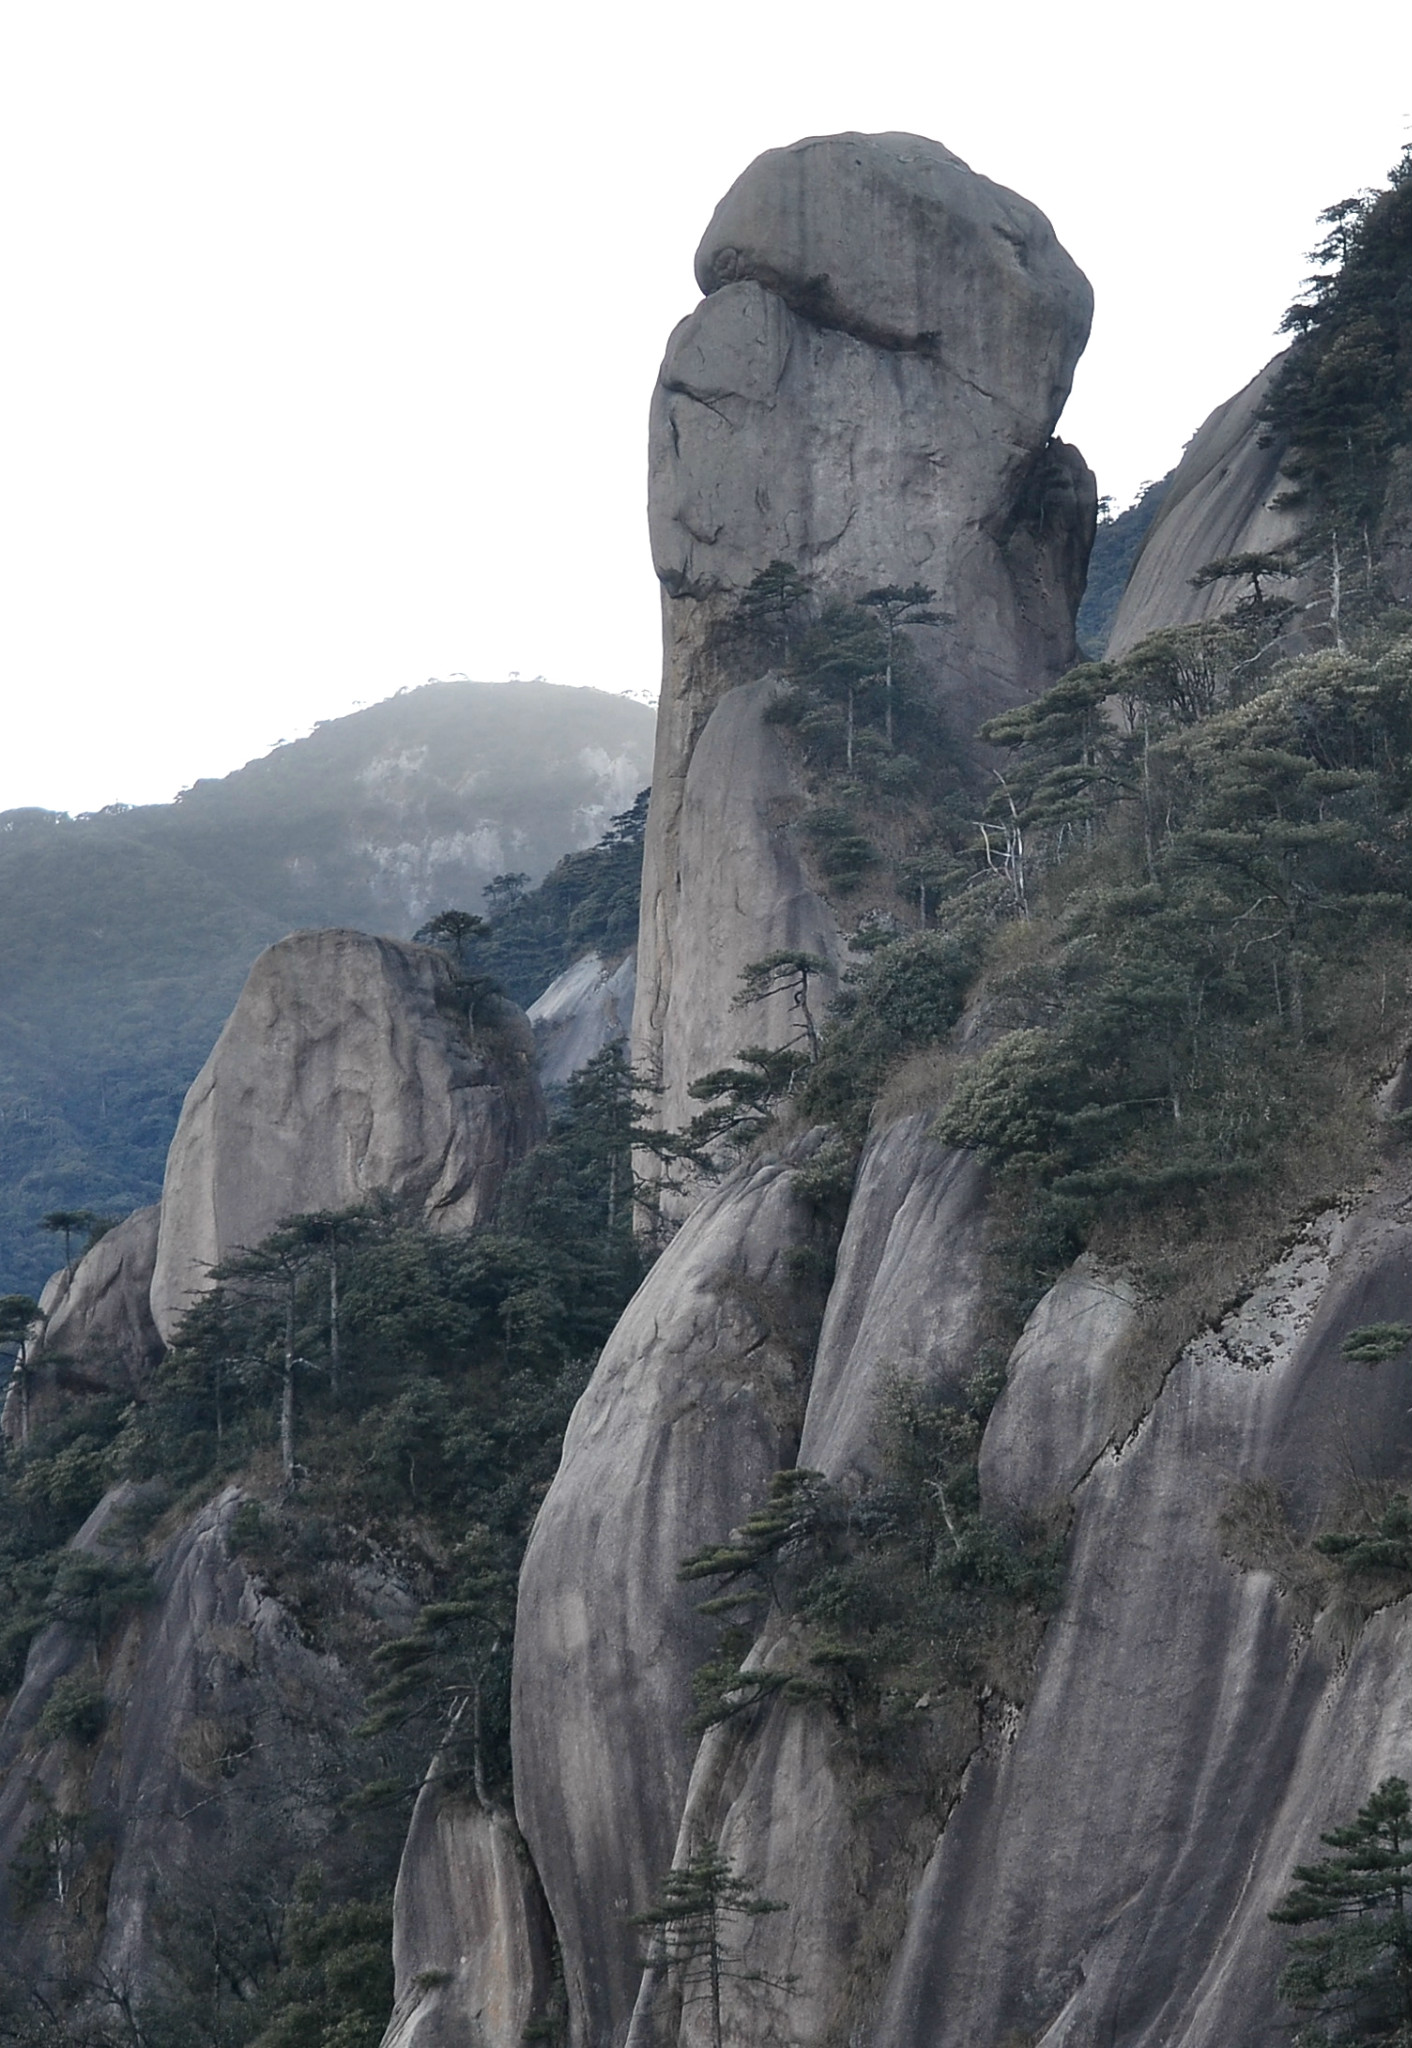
{"points": [[330, 325]]}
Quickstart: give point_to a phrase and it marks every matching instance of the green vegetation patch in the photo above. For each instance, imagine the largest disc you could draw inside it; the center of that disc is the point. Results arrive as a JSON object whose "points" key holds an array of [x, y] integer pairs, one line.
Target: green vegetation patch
{"points": [[899, 1601]]}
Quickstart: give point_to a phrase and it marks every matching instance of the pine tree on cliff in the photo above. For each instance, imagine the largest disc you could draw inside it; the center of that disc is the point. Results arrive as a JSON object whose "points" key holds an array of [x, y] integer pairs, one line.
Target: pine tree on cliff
{"points": [[689, 1923], [64, 1223], [898, 605], [273, 1270], [1355, 1971], [773, 602]]}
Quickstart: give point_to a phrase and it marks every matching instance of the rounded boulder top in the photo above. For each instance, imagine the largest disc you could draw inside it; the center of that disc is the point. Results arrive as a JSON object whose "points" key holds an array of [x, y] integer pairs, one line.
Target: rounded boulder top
{"points": [[895, 240]]}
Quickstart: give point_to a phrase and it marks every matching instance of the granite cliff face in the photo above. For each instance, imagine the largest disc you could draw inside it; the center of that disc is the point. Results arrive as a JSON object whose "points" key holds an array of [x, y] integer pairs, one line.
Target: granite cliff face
{"points": [[472, 1945], [695, 1401], [587, 1009], [868, 391], [215, 1738], [347, 1068], [1108, 1872], [96, 1332], [1123, 1817], [1220, 502]]}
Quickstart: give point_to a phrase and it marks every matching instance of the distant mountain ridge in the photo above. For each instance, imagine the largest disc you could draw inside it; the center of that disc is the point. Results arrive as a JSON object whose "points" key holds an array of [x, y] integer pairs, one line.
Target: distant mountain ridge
{"points": [[125, 936]]}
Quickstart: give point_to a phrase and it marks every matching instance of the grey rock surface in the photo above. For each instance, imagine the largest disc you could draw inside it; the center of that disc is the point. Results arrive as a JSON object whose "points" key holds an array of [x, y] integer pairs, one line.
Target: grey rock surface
{"points": [[347, 1067], [774, 1789], [695, 1401], [868, 391], [739, 871], [1109, 1870], [883, 237], [772, 1799], [906, 1293], [1062, 1401], [584, 1010], [471, 1943], [98, 1334], [1221, 502]]}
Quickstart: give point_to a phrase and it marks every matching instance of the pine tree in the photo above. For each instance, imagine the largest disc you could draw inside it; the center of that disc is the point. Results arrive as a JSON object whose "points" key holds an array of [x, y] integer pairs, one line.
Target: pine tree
{"points": [[787, 972], [899, 605], [1355, 1972], [773, 601], [689, 1924]]}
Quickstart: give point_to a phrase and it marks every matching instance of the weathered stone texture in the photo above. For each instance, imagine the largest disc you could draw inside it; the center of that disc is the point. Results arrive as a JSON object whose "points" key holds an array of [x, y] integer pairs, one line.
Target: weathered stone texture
{"points": [[1109, 1870], [906, 1294], [97, 1333], [347, 1067], [1220, 502], [868, 391], [694, 1403], [221, 1760], [471, 1938], [737, 799], [583, 1011]]}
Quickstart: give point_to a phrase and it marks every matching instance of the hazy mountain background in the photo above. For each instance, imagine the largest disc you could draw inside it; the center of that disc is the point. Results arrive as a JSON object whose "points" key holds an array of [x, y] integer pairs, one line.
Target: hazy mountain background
{"points": [[125, 936], [1116, 545]]}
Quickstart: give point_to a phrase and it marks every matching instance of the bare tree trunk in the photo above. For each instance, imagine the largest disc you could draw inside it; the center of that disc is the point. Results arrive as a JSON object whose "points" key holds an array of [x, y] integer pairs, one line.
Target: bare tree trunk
{"points": [[1294, 981], [715, 1964], [810, 1027], [286, 1403], [890, 631], [1147, 805], [334, 1353]]}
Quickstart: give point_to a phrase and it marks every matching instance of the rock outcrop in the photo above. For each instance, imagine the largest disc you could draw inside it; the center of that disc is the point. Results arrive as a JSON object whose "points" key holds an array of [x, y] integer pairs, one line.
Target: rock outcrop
{"points": [[695, 1401], [742, 893], [868, 391], [348, 1067], [472, 1946], [583, 1011], [1221, 502], [97, 1333], [775, 1788], [906, 1293], [1108, 1873]]}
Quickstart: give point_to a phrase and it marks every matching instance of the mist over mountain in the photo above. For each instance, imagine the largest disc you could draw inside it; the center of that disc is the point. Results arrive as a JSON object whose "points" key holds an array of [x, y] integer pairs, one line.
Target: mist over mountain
{"points": [[125, 936]]}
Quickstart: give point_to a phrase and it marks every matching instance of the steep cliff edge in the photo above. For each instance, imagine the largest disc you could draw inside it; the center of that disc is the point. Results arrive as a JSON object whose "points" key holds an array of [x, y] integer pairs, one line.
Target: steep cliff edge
{"points": [[584, 1010], [348, 1068], [1220, 502], [695, 1401], [779, 1787], [1064, 1815], [1109, 1871], [868, 392]]}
